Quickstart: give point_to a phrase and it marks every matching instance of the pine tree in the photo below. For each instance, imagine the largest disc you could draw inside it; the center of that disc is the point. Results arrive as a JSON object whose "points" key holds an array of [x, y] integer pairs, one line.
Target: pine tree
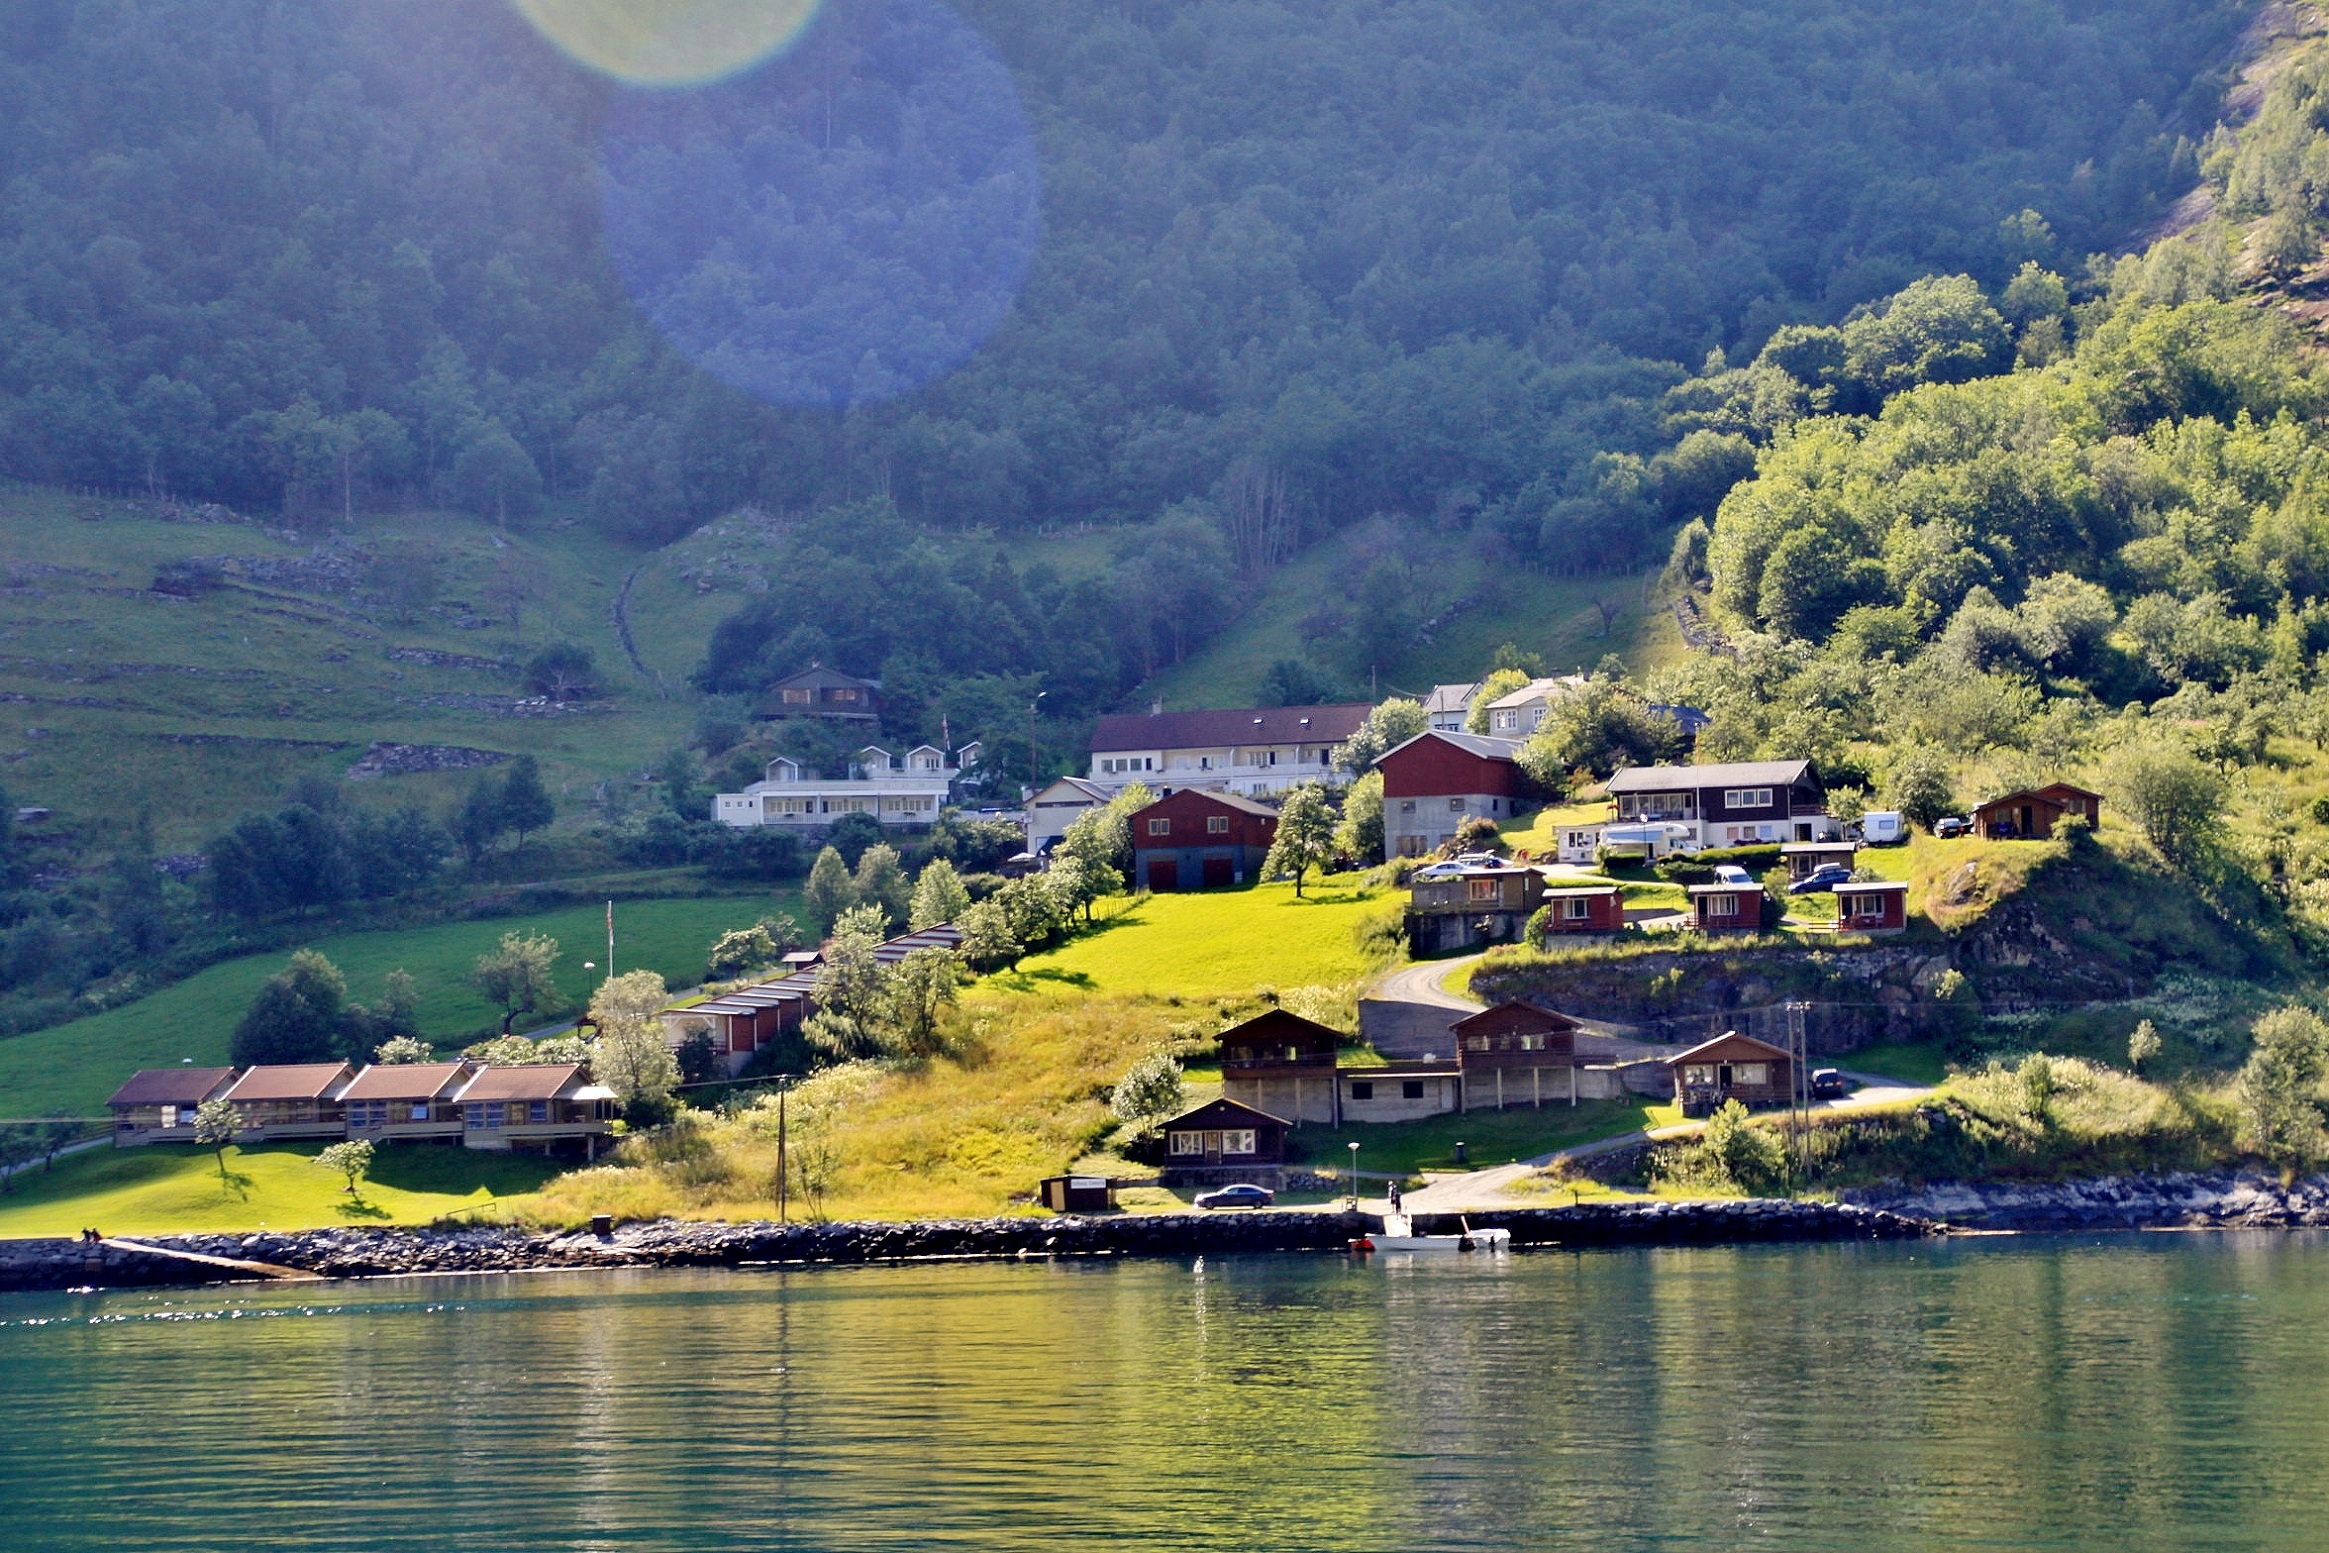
{"points": [[525, 803]]}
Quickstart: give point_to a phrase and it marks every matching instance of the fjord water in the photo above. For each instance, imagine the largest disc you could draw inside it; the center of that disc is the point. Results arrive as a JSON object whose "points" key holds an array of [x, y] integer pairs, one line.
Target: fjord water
{"points": [[2117, 1392]]}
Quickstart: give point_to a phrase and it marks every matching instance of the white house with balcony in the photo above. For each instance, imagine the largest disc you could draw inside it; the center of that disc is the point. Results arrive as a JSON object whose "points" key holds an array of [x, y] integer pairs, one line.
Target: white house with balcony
{"points": [[1256, 751], [904, 790], [1518, 714]]}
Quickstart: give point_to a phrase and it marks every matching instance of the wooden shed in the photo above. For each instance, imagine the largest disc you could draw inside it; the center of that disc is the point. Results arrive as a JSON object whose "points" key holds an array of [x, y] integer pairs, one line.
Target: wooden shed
{"points": [[2029, 815], [1077, 1194], [1596, 908], [1731, 1067], [1516, 1054], [1726, 908], [1872, 906]]}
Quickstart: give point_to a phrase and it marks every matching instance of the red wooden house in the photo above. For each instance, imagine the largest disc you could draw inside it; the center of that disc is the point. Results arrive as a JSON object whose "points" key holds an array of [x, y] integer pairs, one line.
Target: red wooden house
{"points": [[1726, 908], [1872, 906], [1191, 840], [1437, 780], [1597, 908]]}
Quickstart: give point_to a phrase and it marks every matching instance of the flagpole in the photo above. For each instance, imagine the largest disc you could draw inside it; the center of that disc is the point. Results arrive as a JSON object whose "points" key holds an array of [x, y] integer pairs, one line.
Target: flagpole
{"points": [[610, 940]]}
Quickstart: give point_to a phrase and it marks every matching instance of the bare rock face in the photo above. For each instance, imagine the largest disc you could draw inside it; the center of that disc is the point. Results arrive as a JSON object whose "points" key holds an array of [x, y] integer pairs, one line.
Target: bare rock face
{"points": [[385, 759], [2223, 1199]]}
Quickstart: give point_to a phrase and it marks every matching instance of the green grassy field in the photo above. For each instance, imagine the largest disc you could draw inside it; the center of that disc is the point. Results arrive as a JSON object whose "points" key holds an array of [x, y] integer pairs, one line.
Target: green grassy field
{"points": [[165, 1188], [75, 1066], [1209, 943]]}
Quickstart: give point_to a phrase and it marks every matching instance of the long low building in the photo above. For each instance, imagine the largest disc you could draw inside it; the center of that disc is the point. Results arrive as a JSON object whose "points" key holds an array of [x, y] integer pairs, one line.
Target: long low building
{"points": [[1254, 751], [550, 1106], [898, 790], [745, 1019]]}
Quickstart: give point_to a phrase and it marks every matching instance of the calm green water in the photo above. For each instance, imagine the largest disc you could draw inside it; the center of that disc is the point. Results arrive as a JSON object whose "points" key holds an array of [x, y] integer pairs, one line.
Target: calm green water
{"points": [[2165, 1392]]}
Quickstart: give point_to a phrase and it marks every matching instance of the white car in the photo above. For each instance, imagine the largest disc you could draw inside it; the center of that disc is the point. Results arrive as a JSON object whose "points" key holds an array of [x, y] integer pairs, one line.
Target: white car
{"points": [[1437, 871], [1732, 873]]}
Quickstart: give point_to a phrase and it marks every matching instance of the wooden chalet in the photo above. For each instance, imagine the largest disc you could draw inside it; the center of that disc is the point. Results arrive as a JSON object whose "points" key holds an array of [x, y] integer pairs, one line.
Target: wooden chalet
{"points": [[548, 1107], [1225, 1134], [1516, 1054], [1872, 906], [1193, 840], [817, 691], [1282, 1064], [2029, 815], [157, 1105], [1726, 908], [1731, 1067], [1595, 908], [403, 1101], [294, 1100], [1479, 905]]}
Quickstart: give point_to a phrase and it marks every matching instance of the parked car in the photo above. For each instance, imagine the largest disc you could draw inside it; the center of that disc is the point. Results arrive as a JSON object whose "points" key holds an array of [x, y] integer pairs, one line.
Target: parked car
{"points": [[1732, 873], [1830, 1084], [1437, 871], [1825, 877], [1239, 1196], [1951, 826], [1481, 860]]}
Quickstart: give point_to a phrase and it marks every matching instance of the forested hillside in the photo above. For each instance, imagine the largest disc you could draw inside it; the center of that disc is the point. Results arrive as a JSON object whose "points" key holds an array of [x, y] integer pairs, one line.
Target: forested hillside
{"points": [[1299, 263]]}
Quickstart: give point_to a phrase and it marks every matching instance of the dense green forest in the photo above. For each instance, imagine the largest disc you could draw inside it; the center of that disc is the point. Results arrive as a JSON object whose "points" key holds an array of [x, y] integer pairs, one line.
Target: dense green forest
{"points": [[1299, 264]]}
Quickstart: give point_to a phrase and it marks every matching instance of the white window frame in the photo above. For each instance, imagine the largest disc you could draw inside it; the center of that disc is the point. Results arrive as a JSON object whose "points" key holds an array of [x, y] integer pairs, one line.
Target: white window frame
{"points": [[1216, 824], [1576, 910], [1188, 1143], [1752, 1074], [1160, 827], [1238, 1141]]}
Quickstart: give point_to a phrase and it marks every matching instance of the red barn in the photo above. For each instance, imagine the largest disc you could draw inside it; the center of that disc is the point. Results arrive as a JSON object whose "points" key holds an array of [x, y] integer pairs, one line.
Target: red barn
{"points": [[1872, 906], [1201, 841], [1598, 908], [1437, 780]]}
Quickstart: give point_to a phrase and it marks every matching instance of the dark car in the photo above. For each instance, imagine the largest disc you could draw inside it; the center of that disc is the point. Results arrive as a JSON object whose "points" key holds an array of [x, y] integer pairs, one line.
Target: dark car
{"points": [[1830, 1084], [1240, 1196], [1951, 827], [1825, 877]]}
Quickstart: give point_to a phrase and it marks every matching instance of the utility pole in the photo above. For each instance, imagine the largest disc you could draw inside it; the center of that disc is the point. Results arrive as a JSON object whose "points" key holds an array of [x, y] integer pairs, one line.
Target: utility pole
{"points": [[783, 1164], [1034, 761], [1799, 1091]]}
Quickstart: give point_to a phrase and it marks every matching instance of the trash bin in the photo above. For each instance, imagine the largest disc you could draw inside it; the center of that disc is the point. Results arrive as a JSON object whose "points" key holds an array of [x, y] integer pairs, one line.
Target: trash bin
{"points": [[1460, 1154]]}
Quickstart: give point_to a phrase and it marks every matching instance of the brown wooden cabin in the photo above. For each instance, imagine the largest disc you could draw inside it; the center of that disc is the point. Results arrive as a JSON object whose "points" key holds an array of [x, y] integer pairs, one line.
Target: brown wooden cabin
{"points": [[1224, 1132], [1282, 1065], [406, 1101], [1598, 908], [2029, 815], [1731, 1067], [547, 1106], [293, 1100], [1805, 858], [157, 1105], [1872, 906], [817, 691], [1191, 840], [1516, 1054], [1726, 908], [1077, 1194], [1479, 905]]}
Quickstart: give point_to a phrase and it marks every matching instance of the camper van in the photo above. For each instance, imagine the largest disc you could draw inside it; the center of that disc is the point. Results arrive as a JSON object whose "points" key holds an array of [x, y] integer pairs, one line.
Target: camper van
{"points": [[1646, 841], [1883, 827]]}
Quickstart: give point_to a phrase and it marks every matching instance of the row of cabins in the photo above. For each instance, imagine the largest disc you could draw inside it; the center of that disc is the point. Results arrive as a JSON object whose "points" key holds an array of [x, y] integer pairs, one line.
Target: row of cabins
{"points": [[1280, 1071], [551, 1107], [745, 1019]]}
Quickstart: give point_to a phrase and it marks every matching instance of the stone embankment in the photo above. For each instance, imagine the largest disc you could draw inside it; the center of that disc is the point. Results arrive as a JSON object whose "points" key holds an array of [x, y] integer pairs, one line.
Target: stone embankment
{"points": [[377, 1253], [2193, 1200]]}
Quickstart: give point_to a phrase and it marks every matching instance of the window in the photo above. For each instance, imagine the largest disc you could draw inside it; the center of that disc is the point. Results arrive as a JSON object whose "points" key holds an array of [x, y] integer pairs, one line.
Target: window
{"points": [[170, 1116], [1532, 1043], [1406, 806], [537, 1110], [1746, 798], [1160, 827], [1216, 824], [419, 1111], [799, 697], [1867, 905], [1697, 1073], [368, 1113], [1755, 1073], [1362, 1089], [1721, 905], [1237, 1142], [1411, 1089], [1576, 910], [1188, 1143], [1475, 1043], [1293, 1054], [1455, 806], [1480, 889]]}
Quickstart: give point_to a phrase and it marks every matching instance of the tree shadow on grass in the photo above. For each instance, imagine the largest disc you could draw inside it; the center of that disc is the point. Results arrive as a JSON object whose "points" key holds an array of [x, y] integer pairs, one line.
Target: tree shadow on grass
{"points": [[358, 1208], [236, 1182], [1024, 981]]}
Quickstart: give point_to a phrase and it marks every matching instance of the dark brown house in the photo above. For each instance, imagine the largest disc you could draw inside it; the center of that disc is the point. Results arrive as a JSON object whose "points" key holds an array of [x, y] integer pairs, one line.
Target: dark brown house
{"points": [[1598, 908], [1282, 1065], [817, 691], [157, 1105], [1516, 1054], [1731, 1067], [2029, 815], [1224, 1134], [1479, 905], [1872, 906], [1201, 841]]}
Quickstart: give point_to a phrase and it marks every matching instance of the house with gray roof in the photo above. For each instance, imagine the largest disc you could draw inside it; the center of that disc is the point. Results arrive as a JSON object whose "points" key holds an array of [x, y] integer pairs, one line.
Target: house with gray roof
{"points": [[1745, 803]]}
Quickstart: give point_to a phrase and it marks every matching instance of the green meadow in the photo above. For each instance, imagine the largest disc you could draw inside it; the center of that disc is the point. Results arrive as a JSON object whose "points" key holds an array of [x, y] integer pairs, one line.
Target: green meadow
{"points": [[1214, 943]]}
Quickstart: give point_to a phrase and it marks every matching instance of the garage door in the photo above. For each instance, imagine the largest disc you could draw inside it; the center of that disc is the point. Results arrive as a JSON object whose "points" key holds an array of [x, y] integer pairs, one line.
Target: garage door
{"points": [[1219, 871], [1164, 873]]}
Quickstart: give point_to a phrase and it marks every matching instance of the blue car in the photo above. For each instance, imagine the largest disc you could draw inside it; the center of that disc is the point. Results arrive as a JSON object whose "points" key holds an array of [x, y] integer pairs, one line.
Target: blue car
{"points": [[1237, 1197], [1825, 877]]}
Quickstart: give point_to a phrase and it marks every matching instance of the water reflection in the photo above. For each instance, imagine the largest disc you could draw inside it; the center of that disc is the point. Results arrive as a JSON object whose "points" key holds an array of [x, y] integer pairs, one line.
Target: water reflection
{"points": [[2133, 1394]]}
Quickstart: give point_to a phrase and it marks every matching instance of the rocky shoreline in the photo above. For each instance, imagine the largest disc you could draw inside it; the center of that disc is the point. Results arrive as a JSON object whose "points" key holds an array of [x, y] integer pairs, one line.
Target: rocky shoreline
{"points": [[380, 1253], [2222, 1199]]}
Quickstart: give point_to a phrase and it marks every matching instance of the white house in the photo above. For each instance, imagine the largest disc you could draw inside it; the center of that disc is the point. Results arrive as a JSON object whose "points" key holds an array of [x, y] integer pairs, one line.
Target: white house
{"points": [[1054, 808], [906, 789], [1448, 705], [1517, 715], [1257, 751]]}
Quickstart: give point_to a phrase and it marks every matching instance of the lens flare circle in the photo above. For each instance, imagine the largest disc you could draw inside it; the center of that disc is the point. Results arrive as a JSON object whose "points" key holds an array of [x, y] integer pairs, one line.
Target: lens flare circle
{"points": [[843, 225], [669, 42]]}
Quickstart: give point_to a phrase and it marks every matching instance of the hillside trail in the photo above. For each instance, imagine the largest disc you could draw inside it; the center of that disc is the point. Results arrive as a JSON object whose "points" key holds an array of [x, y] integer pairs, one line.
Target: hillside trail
{"points": [[620, 610]]}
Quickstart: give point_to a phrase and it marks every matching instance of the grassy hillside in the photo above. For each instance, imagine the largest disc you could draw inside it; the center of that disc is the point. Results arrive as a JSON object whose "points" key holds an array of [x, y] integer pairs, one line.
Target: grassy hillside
{"points": [[75, 1066], [1219, 944], [162, 1189]]}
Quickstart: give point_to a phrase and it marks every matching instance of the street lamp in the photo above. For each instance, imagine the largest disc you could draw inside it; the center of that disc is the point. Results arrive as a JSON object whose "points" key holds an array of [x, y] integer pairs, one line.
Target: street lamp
{"points": [[1354, 1178]]}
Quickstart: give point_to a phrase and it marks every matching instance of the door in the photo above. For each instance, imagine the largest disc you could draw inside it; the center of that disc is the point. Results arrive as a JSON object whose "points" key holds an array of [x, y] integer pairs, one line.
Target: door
{"points": [[1164, 873], [1722, 1079], [1219, 871]]}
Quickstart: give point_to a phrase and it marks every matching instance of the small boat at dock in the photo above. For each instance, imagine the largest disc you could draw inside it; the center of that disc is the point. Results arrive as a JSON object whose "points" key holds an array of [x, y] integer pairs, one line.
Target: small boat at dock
{"points": [[1398, 1234]]}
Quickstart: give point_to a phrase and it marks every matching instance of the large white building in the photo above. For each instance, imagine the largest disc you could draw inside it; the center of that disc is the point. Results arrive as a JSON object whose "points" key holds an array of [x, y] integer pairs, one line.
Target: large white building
{"points": [[906, 789], [1257, 751]]}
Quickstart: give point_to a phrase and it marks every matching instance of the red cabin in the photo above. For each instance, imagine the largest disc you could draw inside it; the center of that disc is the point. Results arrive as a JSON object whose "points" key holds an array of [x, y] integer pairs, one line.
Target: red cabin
{"points": [[1201, 841], [1726, 908], [1872, 906], [1596, 908]]}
